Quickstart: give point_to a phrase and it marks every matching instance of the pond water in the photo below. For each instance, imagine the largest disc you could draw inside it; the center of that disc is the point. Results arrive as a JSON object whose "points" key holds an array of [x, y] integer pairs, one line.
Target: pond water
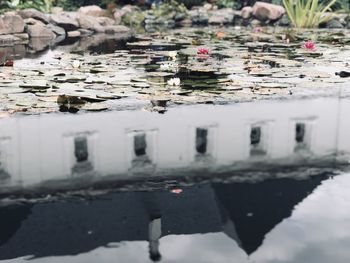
{"points": [[99, 73], [247, 160], [249, 182]]}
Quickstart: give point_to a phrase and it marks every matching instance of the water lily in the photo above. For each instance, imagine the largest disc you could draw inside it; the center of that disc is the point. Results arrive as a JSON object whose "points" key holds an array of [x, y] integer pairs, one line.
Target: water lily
{"points": [[174, 82], [76, 64], [8, 63], [220, 34], [203, 51], [176, 191], [169, 66], [172, 54], [257, 29], [309, 45]]}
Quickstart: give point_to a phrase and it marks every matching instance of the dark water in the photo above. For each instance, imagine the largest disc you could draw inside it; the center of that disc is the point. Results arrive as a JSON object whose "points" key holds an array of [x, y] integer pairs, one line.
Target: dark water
{"points": [[251, 182], [283, 220]]}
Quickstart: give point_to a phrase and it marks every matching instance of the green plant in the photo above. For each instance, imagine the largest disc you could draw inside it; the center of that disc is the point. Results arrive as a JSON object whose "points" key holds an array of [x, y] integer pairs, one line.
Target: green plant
{"points": [[308, 13], [226, 4], [168, 9]]}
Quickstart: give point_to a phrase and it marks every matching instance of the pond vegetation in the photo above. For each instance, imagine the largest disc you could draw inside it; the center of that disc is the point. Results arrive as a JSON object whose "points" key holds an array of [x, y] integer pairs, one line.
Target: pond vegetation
{"points": [[193, 65]]}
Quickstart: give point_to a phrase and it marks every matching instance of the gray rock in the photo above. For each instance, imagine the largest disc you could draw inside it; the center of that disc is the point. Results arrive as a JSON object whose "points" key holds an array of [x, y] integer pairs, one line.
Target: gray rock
{"points": [[221, 16], [267, 12], [247, 12], [59, 31], [118, 16], [37, 44], [89, 23], [284, 21], [36, 28], [86, 32], [66, 20], [334, 23], [72, 34], [116, 29], [14, 39], [105, 21], [56, 10], [91, 10], [33, 13], [11, 24], [199, 16]]}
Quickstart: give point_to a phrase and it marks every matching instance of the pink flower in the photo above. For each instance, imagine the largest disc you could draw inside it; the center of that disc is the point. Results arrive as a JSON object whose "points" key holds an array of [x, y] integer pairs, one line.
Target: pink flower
{"points": [[203, 51], [176, 191], [309, 45], [257, 29]]}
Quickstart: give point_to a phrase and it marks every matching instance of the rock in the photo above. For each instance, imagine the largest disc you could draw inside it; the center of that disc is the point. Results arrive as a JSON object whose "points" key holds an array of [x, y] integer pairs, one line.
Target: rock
{"points": [[22, 36], [105, 21], [90, 23], [199, 16], [59, 31], [247, 12], [118, 15], [14, 39], [11, 24], [36, 28], [66, 20], [56, 10], [127, 9], [221, 17], [238, 20], [334, 23], [208, 6], [116, 29], [255, 23], [33, 13], [86, 32], [284, 21], [38, 44], [267, 12], [185, 22], [7, 40], [73, 33], [91, 10]]}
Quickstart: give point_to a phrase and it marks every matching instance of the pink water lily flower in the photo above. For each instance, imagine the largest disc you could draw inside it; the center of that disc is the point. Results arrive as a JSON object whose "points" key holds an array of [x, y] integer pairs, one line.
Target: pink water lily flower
{"points": [[176, 191], [257, 29], [203, 51], [309, 45]]}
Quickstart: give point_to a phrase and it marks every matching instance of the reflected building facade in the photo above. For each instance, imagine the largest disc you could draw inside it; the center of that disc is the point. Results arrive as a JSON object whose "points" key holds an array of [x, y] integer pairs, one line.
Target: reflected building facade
{"points": [[139, 144]]}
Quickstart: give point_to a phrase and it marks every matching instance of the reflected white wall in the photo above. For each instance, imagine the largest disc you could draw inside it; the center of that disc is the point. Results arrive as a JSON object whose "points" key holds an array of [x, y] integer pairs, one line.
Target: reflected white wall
{"points": [[41, 148]]}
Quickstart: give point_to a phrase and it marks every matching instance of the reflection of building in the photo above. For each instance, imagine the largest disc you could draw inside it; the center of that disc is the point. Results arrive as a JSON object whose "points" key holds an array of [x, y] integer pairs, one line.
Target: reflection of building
{"points": [[245, 212], [50, 148]]}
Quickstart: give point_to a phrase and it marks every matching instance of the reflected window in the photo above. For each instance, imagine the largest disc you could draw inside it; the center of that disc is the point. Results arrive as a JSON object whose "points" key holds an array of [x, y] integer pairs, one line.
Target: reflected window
{"points": [[81, 149], [201, 140], [81, 153], [142, 151], [302, 137], [140, 144], [300, 132], [257, 144], [4, 175], [255, 136]]}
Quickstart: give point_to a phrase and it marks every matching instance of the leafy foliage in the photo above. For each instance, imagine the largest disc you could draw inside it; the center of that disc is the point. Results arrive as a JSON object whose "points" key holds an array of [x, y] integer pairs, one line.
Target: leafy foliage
{"points": [[227, 4], [307, 13], [168, 9]]}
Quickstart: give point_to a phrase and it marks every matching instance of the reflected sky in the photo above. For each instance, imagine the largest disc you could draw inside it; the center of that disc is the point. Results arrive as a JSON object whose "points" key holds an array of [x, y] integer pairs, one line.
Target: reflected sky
{"points": [[315, 232]]}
